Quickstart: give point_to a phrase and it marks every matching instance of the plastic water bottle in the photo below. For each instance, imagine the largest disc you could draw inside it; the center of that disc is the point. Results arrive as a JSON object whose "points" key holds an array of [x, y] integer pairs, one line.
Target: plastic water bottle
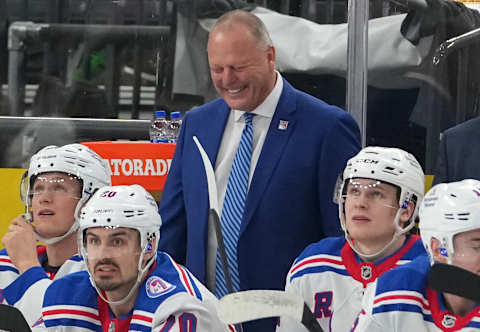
{"points": [[175, 125], [159, 127]]}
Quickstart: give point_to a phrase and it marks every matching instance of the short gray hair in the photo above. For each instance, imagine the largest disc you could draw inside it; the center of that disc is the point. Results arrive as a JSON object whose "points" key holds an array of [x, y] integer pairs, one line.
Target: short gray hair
{"points": [[253, 24]]}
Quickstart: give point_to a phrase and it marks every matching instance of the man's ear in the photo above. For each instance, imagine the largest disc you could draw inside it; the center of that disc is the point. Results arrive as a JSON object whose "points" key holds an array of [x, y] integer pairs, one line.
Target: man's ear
{"points": [[437, 249]]}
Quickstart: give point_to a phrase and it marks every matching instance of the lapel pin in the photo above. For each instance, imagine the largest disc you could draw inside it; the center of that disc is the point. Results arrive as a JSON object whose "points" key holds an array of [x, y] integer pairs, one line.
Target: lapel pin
{"points": [[282, 125]]}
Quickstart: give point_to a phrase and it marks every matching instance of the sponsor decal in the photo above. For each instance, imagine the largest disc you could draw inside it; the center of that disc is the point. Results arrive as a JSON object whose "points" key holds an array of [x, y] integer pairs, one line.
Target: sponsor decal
{"points": [[140, 167], [142, 163]]}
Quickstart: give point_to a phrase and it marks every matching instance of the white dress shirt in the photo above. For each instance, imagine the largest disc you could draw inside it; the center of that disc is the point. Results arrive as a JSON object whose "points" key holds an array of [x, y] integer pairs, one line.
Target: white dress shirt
{"points": [[228, 148]]}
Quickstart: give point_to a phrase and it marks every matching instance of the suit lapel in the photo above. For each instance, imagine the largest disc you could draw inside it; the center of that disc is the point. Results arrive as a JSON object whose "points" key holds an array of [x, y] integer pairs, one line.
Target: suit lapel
{"points": [[275, 142]]}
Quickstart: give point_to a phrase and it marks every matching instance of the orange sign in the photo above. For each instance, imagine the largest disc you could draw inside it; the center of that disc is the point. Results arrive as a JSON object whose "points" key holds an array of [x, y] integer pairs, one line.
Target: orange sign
{"points": [[141, 163]]}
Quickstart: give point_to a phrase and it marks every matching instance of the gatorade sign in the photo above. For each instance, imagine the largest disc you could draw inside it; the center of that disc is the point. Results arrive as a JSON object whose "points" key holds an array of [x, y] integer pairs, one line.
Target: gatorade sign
{"points": [[141, 163]]}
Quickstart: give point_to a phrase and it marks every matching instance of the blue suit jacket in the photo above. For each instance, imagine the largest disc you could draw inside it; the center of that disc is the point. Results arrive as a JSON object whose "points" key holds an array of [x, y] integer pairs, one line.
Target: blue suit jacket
{"points": [[289, 203], [458, 153]]}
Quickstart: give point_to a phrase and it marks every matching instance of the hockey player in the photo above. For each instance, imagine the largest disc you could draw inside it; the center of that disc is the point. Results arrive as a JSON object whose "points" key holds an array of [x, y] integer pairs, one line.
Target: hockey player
{"points": [[128, 285], [57, 181], [450, 231], [377, 199]]}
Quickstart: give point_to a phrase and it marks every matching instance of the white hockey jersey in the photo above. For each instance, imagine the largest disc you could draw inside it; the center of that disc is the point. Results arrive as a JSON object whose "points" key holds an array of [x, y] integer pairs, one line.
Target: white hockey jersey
{"points": [[332, 280], [401, 301], [26, 291], [170, 299]]}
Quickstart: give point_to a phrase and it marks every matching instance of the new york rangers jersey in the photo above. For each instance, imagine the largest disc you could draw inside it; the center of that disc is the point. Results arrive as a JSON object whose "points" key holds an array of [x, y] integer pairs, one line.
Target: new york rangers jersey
{"points": [[401, 301], [170, 299], [332, 280], [26, 291]]}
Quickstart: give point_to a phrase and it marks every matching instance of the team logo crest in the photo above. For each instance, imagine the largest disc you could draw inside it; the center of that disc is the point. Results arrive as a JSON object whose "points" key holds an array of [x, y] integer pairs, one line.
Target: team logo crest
{"points": [[448, 321], [156, 286], [366, 272], [283, 125]]}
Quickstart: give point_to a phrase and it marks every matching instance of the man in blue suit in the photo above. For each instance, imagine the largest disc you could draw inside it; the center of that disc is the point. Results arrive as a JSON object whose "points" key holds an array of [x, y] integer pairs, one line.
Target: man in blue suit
{"points": [[458, 153], [300, 146]]}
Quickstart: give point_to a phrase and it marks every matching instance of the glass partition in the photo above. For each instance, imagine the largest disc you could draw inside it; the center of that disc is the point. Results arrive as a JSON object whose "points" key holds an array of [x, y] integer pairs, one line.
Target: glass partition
{"points": [[124, 59], [432, 85]]}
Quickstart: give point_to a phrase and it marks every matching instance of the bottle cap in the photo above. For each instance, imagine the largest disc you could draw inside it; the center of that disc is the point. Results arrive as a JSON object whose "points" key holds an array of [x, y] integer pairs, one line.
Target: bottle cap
{"points": [[160, 113], [175, 115]]}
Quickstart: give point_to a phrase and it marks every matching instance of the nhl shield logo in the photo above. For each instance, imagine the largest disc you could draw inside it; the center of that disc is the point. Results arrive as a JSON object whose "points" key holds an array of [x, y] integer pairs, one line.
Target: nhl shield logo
{"points": [[156, 286], [448, 321], [366, 272]]}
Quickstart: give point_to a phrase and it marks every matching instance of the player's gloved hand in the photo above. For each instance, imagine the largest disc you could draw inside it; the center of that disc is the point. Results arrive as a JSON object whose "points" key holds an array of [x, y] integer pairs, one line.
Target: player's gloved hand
{"points": [[450, 18], [20, 242]]}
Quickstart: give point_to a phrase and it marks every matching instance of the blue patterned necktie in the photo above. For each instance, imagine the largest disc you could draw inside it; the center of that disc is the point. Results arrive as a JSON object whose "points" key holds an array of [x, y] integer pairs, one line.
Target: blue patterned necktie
{"points": [[233, 206]]}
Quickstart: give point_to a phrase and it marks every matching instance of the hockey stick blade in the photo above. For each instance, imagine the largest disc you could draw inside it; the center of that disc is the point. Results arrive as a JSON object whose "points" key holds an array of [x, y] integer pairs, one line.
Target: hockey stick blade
{"points": [[213, 213], [257, 304], [452, 279], [214, 217], [212, 186], [11, 319]]}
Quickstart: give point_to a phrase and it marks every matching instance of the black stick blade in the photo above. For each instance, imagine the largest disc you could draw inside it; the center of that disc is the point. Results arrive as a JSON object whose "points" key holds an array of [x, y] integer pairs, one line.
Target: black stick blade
{"points": [[452, 279], [11, 319]]}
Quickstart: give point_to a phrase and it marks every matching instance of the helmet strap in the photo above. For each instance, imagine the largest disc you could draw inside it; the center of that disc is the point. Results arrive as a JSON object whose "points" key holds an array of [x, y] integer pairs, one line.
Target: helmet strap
{"points": [[72, 229], [53, 240]]}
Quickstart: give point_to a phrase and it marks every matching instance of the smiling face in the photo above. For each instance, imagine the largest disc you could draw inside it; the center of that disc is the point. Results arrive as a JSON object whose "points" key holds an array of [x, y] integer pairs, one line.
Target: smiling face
{"points": [[54, 199], [370, 209], [113, 256], [241, 67]]}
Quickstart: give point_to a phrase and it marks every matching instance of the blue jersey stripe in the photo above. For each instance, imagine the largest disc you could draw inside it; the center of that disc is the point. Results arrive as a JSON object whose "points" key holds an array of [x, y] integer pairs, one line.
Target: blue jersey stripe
{"points": [[319, 269], [72, 322], [139, 327], [8, 268]]}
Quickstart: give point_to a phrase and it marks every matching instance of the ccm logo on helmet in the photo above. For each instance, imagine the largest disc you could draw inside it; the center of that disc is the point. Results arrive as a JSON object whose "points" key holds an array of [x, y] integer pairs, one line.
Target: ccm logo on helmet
{"points": [[367, 161]]}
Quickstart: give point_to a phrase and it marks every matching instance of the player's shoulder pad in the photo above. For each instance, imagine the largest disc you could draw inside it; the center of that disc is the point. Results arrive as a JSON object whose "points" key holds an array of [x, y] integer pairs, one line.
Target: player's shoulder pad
{"points": [[73, 288], [169, 278], [327, 246], [411, 276]]}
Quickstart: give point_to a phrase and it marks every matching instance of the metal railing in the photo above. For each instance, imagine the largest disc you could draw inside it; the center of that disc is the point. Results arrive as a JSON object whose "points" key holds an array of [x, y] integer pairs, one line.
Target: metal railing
{"points": [[22, 34]]}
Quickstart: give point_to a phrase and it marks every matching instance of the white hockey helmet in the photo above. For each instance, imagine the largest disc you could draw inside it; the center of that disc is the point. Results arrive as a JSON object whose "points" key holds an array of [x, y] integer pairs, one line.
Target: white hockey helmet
{"points": [[123, 206], [449, 209], [389, 165], [74, 159]]}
